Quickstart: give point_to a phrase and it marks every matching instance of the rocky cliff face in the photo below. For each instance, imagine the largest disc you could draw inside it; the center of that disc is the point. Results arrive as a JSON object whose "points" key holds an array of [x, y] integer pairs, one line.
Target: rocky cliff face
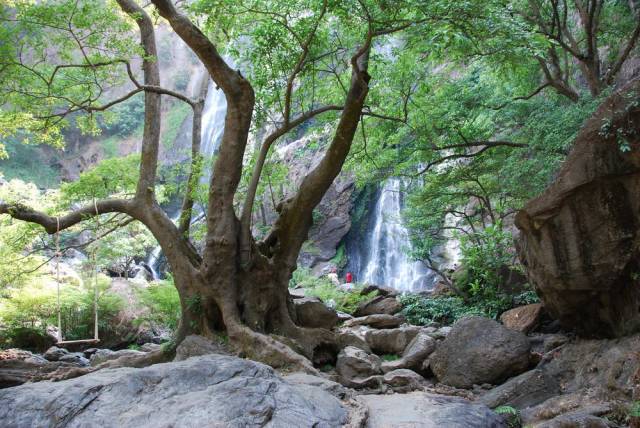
{"points": [[580, 240]]}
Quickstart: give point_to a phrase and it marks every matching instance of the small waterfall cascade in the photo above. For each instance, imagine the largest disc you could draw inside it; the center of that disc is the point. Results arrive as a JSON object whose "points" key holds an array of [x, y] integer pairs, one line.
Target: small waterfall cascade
{"points": [[213, 115], [387, 262]]}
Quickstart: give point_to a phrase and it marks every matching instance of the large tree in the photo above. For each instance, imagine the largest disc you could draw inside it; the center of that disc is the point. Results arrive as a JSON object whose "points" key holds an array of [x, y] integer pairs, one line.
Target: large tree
{"points": [[62, 56]]}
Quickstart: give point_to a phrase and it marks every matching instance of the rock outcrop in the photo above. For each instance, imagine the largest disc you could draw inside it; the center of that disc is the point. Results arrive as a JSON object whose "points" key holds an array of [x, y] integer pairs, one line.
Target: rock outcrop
{"points": [[580, 239], [211, 390], [421, 409], [312, 313], [479, 350]]}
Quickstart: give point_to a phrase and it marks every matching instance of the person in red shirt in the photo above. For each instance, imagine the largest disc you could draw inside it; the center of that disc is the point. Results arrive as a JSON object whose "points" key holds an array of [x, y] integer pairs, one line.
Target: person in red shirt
{"points": [[349, 277]]}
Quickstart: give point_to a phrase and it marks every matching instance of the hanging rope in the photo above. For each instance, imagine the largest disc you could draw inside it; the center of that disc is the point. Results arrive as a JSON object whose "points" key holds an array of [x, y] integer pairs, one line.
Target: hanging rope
{"points": [[58, 278]]}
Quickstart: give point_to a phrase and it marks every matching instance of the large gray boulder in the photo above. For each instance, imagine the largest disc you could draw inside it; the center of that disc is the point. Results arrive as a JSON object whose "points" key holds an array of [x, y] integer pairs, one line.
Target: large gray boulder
{"points": [[424, 410], [355, 363], [526, 390], [312, 313], [212, 390], [391, 341], [480, 350]]}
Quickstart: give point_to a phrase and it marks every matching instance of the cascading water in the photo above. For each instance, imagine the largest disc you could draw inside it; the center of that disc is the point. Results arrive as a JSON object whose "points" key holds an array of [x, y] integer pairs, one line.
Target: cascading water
{"points": [[387, 261], [213, 115]]}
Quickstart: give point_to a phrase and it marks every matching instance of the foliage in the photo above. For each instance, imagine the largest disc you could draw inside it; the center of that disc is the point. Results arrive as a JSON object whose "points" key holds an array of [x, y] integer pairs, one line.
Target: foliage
{"points": [[124, 118], [162, 299], [390, 357], [174, 118], [421, 310], [325, 290], [28, 162], [18, 239], [34, 307], [511, 415]]}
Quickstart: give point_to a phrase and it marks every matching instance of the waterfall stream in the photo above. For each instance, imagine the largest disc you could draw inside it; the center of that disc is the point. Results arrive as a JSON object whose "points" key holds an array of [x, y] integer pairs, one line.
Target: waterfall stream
{"points": [[387, 260]]}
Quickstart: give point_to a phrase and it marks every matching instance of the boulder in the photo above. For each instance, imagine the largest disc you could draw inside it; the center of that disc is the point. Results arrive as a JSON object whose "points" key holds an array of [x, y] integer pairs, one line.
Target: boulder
{"points": [[378, 305], [526, 390], [312, 313], [414, 355], [523, 318], [391, 341], [479, 350], [18, 366], [54, 353], [580, 239], [194, 345], [382, 291], [347, 337], [355, 363], [421, 409], [403, 380], [103, 355], [212, 390], [376, 321], [76, 358]]}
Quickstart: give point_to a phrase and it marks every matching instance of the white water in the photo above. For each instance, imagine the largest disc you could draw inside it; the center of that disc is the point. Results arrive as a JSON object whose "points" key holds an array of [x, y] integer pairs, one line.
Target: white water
{"points": [[388, 263]]}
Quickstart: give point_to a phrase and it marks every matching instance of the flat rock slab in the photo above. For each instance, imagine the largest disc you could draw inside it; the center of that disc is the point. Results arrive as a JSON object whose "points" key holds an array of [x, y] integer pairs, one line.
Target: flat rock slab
{"points": [[424, 410], [211, 390]]}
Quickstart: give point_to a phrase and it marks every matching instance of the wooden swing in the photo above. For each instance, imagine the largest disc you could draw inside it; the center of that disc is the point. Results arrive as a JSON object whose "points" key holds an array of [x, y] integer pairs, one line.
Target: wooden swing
{"points": [[61, 340]]}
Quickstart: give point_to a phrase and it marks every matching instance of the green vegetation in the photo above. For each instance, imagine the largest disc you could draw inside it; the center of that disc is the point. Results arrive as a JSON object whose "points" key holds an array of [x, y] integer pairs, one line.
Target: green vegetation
{"points": [[325, 290], [173, 120], [163, 302], [34, 307], [511, 415], [27, 161]]}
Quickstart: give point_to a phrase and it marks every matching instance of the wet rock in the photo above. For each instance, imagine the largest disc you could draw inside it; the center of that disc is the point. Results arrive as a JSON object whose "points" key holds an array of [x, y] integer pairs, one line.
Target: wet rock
{"points": [[421, 409], [414, 355], [523, 318], [355, 363], [378, 305], [193, 346], [201, 391], [376, 321], [311, 312], [479, 350], [580, 239], [391, 341]]}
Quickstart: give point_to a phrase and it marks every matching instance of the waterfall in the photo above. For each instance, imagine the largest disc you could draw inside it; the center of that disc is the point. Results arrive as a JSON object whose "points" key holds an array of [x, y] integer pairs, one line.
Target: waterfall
{"points": [[387, 261], [213, 115]]}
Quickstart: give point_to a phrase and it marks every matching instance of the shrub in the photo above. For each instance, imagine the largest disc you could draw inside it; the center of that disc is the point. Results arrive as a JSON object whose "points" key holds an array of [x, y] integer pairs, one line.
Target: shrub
{"points": [[421, 310], [34, 307], [163, 302]]}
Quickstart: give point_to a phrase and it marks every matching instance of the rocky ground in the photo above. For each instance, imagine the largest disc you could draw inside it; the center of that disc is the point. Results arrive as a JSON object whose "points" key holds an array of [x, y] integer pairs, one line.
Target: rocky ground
{"points": [[476, 373]]}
